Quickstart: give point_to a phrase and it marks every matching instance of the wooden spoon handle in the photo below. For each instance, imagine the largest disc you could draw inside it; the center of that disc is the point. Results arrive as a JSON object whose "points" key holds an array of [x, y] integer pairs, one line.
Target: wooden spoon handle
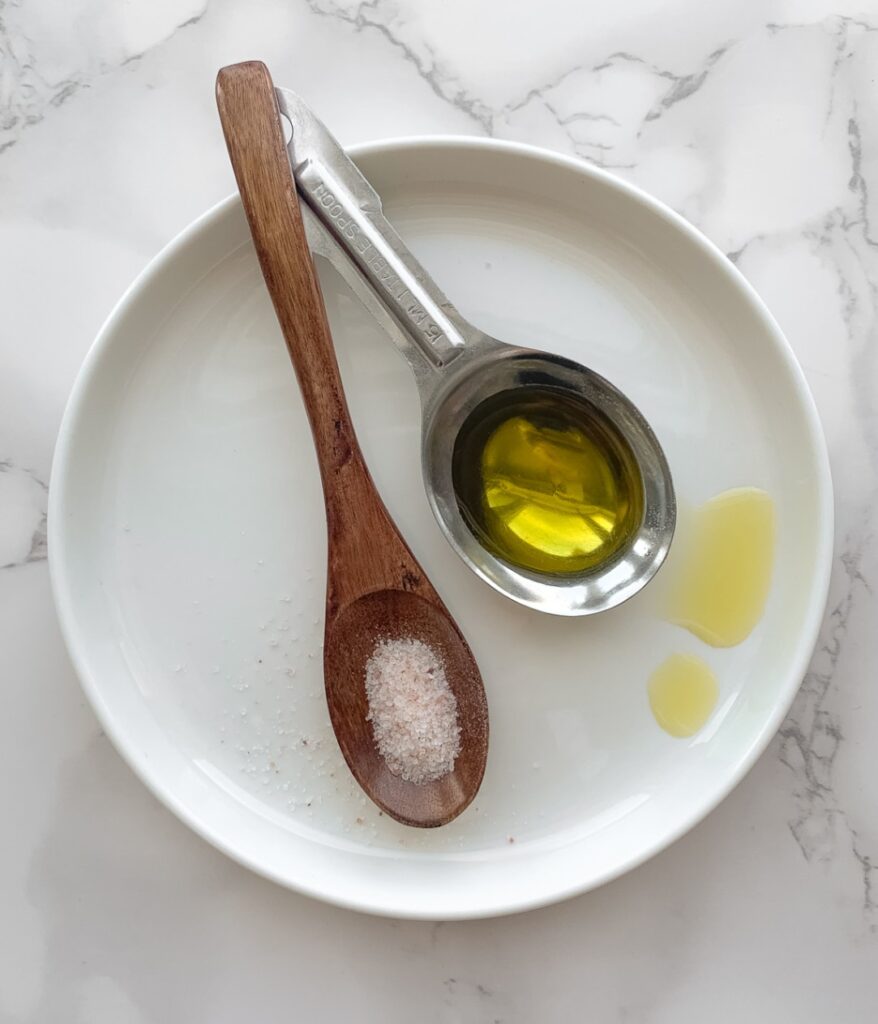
{"points": [[254, 136], [366, 552]]}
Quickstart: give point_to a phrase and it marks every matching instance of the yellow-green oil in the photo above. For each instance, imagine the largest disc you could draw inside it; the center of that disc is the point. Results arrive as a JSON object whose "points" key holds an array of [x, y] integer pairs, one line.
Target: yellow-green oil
{"points": [[545, 481], [724, 573], [682, 694]]}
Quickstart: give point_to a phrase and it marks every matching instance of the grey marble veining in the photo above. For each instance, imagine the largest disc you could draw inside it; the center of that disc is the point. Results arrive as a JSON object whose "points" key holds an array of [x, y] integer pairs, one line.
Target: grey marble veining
{"points": [[43, 69], [759, 123], [23, 496]]}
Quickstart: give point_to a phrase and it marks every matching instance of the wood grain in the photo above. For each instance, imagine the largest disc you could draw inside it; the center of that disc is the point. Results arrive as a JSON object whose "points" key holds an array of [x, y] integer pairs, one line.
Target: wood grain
{"points": [[375, 586]]}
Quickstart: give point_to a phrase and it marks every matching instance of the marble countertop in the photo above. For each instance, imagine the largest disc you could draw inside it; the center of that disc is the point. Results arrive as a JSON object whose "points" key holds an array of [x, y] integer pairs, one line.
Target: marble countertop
{"points": [[758, 121]]}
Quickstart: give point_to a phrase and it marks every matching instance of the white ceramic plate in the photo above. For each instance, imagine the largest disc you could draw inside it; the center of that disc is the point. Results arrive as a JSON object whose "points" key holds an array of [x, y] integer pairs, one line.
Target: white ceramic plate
{"points": [[187, 538]]}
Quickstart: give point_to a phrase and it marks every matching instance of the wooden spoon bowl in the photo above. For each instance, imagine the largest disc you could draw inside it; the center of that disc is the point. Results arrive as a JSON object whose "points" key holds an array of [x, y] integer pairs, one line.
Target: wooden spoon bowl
{"points": [[375, 587], [350, 640]]}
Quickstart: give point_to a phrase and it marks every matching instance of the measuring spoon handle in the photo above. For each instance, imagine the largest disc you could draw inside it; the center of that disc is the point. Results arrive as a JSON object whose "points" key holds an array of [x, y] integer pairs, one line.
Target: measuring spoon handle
{"points": [[347, 205]]}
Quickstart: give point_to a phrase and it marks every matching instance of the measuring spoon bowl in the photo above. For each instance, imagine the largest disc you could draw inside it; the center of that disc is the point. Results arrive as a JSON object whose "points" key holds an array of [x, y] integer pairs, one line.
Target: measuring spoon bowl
{"points": [[491, 368]]}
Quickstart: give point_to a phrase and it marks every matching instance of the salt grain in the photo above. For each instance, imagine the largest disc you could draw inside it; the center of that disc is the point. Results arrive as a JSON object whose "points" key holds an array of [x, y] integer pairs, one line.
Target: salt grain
{"points": [[412, 710]]}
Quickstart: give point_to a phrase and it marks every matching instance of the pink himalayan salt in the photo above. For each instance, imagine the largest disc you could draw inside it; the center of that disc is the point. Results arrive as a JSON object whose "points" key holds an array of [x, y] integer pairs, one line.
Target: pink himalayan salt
{"points": [[412, 710]]}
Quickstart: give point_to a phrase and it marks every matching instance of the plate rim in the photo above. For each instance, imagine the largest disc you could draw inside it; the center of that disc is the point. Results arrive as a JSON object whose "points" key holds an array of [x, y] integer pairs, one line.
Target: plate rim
{"points": [[808, 635]]}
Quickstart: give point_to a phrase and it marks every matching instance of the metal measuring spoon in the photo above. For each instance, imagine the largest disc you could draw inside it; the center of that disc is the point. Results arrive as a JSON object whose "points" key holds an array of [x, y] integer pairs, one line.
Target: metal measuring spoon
{"points": [[457, 366]]}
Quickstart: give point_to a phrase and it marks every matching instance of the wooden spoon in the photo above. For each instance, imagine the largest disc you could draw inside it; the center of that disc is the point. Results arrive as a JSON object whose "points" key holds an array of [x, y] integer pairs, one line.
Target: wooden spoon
{"points": [[375, 587]]}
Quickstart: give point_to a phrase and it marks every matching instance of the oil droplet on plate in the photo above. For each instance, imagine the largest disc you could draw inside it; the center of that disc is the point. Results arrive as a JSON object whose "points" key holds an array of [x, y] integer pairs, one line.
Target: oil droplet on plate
{"points": [[682, 694], [723, 585]]}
